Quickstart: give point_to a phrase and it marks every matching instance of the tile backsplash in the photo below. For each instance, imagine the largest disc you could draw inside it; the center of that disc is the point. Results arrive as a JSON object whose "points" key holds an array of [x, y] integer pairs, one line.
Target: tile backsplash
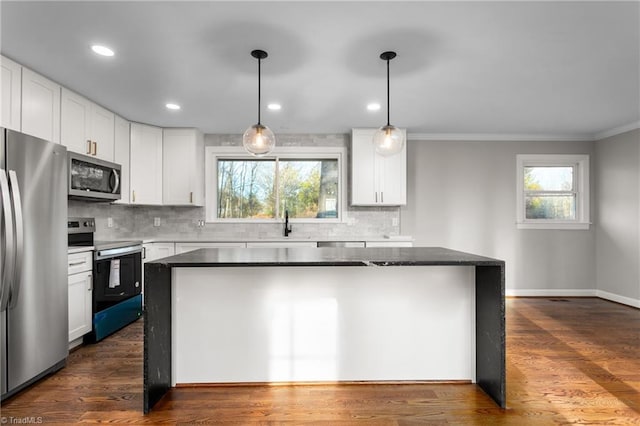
{"points": [[183, 222]]}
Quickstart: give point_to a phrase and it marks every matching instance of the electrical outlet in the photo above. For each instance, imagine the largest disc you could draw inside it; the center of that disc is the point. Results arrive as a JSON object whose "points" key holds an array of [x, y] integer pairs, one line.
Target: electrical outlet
{"points": [[109, 222], [156, 221], [395, 221]]}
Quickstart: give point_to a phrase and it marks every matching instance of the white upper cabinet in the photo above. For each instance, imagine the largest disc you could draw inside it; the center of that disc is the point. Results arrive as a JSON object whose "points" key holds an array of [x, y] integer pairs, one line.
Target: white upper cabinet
{"points": [[86, 128], [146, 164], [121, 156], [376, 180], [40, 106], [183, 167], [10, 94]]}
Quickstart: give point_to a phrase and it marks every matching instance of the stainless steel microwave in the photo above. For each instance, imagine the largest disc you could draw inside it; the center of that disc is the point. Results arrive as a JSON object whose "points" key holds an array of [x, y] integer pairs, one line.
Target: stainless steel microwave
{"points": [[92, 179]]}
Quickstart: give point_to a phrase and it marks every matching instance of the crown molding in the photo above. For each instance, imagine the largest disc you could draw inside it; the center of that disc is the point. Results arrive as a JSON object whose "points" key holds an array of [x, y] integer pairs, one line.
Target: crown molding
{"points": [[496, 137], [616, 131]]}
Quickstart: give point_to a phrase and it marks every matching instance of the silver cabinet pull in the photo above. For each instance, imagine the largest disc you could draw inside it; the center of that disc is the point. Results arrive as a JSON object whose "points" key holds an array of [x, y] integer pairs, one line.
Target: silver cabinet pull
{"points": [[88, 147], [77, 263]]}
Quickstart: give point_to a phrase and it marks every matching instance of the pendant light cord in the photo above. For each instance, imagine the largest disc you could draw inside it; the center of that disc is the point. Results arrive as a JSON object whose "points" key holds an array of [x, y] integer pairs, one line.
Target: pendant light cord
{"points": [[388, 121], [259, 61]]}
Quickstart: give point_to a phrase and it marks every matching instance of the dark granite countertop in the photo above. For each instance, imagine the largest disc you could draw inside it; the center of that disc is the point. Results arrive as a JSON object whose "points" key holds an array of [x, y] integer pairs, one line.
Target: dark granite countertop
{"points": [[329, 256]]}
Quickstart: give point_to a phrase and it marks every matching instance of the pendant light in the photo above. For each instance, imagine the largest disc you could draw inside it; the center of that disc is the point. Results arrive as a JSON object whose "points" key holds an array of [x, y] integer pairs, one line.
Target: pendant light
{"points": [[258, 140], [388, 140]]}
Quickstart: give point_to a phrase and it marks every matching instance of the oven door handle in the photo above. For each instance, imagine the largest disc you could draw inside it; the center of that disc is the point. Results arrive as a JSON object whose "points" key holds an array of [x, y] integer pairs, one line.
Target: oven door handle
{"points": [[117, 252]]}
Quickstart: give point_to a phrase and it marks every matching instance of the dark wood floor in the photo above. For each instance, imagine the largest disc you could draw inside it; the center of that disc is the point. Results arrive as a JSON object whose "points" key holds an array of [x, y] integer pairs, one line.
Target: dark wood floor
{"points": [[569, 361]]}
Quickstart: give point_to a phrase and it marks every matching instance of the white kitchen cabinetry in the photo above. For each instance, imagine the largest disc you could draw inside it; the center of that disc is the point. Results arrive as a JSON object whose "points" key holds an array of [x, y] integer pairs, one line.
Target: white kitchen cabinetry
{"points": [[153, 251], [121, 156], [86, 128], [183, 167], [40, 106], [376, 180], [80, 279], [282, 244], [10, 94], [187, 247], [389, 244], [146, 164]]}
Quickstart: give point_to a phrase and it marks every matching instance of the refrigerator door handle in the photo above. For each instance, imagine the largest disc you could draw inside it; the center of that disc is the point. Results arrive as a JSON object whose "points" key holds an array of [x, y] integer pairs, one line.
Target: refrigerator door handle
{"points": [[19, 230], [8, 248]]}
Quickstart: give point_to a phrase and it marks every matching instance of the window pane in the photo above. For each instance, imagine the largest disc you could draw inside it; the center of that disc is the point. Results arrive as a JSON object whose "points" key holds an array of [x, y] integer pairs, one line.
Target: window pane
{"points": [[548, 178], [558, 207], [309, 188], [246, 189]]}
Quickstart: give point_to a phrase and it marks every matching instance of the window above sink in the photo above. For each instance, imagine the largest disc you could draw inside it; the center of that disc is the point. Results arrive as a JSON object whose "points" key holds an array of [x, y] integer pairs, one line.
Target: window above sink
{"points": [[308, 183]]}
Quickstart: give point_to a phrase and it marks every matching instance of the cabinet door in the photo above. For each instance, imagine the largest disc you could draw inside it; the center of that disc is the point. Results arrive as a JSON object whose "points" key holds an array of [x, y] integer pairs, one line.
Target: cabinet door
{"points": [[146, 164], [121, 156], [40, 106], [281, 244], [393, 178], [102, 132], [10, 94], [376, 180], [80, 289], [187, 247], [183, 167], [74, 126], [363, 177]]}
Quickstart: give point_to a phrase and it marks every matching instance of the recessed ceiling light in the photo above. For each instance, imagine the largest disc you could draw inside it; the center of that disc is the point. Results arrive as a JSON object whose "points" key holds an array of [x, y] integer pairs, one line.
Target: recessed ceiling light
{"points": [[374, 106], [274, 107], [173, 106], [102, 50]]}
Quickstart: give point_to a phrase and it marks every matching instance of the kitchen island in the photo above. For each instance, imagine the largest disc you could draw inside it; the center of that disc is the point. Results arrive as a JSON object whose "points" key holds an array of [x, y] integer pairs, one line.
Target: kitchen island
{"points": [[324, 315]]}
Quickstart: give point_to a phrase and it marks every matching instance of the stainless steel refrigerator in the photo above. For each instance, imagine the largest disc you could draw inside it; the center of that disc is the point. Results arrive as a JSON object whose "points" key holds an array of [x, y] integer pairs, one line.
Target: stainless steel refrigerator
{"points": [[33, 252]]}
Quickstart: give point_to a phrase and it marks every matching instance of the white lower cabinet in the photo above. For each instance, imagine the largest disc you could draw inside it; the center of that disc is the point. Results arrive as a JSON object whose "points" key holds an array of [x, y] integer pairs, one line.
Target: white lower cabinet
{"points": [[187, 247], [389, 244], [153, 251], [282, 244], [80, 279]]}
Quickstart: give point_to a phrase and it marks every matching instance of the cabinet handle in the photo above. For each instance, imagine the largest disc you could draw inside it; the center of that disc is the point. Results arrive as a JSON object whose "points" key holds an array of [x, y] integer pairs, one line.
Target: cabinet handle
{"points": [[144, 253], [133, 196], [94, 149], [191, 197], [88, 146], [376, 196], [77, 263], [90, 285], [381, 197]]}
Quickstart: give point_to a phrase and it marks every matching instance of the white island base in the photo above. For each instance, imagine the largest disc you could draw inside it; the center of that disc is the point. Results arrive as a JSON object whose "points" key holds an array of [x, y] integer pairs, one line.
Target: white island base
{"points": [[322, 324]]}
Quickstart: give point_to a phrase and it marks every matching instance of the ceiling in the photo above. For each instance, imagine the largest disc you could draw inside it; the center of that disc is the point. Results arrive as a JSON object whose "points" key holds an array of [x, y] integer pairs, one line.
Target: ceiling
{"points": [[565, 69]]}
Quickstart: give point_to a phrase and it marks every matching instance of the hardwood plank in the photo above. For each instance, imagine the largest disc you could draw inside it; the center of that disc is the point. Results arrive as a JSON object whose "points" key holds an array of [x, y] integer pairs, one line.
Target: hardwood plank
{"points": [[569, 361]]}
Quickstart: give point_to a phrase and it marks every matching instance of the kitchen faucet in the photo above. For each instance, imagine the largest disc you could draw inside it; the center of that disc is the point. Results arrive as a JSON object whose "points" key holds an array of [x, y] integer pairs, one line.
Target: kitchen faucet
{"points": [[287, 225]]}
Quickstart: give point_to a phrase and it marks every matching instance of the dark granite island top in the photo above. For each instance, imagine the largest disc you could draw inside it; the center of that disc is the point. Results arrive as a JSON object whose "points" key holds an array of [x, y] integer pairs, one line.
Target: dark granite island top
{"points": [[489, 300]]}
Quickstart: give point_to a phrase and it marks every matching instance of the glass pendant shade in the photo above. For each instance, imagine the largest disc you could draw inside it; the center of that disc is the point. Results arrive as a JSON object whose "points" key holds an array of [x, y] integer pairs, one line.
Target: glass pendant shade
{"points": [[258, 140], [388, 140]]}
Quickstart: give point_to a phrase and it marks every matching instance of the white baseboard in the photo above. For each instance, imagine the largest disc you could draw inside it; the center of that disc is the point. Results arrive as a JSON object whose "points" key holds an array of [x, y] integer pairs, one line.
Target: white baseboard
{"points": [[551, 292], [573, 293], [617, 298]]}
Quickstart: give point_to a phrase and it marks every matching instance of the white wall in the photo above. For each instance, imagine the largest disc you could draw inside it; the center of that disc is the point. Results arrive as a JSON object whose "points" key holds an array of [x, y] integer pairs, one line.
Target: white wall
{"points": [[617, 176], [462, 195]]}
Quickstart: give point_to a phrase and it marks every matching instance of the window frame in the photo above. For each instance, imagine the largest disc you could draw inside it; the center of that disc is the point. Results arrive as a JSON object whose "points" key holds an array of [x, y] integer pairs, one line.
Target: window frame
{"points": [[581, 189], [215, 153]]}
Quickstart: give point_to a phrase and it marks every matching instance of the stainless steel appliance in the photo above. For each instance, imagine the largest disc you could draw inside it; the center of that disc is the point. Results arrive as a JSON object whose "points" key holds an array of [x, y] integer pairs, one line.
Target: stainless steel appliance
{"points": [[33, 291], [117, 279], [93, 179]]}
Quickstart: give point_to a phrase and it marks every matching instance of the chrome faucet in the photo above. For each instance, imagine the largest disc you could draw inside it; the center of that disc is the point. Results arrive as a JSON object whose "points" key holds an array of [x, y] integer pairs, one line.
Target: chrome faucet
{"points": [[287, 225]]}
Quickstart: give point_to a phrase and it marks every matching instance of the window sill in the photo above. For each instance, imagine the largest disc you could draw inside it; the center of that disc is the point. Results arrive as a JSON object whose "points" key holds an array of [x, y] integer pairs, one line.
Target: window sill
{"points": [[574, 226]]}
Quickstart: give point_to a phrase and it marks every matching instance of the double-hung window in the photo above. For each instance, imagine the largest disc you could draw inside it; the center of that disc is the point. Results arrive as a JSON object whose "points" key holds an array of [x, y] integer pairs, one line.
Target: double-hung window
{"points": [[553, 191], [305, 183]]}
